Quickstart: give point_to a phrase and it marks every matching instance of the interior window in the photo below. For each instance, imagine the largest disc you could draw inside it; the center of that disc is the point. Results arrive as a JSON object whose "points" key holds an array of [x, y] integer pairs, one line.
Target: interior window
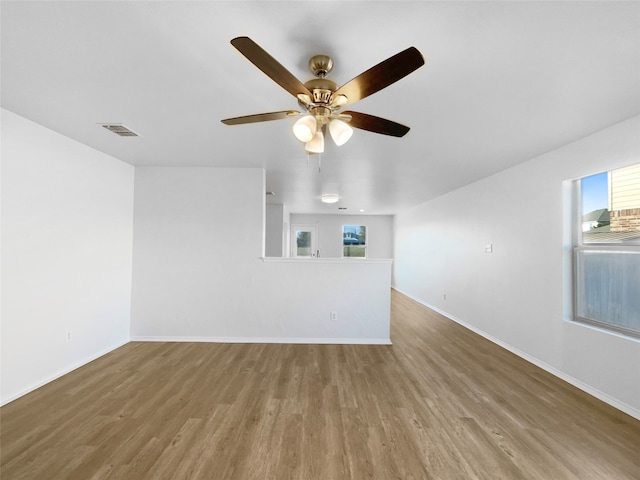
{"points": [[354, 241]]}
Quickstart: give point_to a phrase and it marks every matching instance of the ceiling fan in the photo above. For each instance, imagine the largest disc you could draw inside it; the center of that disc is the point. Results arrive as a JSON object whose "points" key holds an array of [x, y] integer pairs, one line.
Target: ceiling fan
{"points": [[322, 100]]}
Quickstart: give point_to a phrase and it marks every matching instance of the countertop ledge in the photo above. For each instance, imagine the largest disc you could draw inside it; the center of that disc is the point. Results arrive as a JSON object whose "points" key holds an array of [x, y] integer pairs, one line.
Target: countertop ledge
{"points": [[356, 261]]}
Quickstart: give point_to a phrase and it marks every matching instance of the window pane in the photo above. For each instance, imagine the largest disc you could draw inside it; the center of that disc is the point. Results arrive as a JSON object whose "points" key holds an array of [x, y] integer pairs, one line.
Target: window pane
{"points": [[360, 252], [608, 288], [354, 235], [354, 241], [611, 206], [303, 243]]}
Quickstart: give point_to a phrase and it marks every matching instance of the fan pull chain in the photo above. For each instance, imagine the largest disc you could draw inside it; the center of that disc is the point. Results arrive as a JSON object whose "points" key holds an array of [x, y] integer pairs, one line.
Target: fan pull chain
{"points": [[319, 161]]}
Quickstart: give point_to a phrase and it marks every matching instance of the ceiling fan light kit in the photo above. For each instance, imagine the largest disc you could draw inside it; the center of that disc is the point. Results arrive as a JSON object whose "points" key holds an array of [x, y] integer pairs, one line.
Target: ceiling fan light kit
{"points": [[305, 128], [323, 100], [316, 145], [340, 131]]}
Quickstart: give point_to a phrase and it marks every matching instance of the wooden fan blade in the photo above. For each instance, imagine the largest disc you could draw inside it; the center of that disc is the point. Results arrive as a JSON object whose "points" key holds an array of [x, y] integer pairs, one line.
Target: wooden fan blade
{"points": [[376, 124], [260, 117], [269, 65], [382, 75]]}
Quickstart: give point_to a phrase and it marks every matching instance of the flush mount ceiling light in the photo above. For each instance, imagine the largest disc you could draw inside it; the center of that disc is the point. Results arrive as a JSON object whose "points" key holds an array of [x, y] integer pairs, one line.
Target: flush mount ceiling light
{"points": [[330, 198], [322, 100]]}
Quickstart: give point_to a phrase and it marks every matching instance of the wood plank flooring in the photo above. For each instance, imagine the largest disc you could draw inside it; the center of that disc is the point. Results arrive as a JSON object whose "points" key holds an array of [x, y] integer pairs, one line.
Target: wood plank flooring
{"points": [[441, 403]]}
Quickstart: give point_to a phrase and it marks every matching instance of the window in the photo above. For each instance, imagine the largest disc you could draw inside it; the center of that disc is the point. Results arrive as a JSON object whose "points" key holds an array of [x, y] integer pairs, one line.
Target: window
{"points": [[607, 251], [304, 241], [354, 241]]}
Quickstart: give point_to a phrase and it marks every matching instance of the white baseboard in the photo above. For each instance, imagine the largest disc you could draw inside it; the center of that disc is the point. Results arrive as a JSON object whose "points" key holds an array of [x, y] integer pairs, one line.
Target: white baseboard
{"points": [[312, 341], [60, 373], [628, 409]]}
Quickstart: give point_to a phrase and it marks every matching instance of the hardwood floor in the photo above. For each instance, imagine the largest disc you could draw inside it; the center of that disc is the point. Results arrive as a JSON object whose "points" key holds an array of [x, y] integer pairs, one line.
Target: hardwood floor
{"points": [[441, 403]]}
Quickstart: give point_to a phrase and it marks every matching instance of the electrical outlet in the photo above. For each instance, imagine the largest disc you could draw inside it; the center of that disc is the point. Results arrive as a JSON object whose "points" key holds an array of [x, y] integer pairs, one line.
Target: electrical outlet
{"points": [[333, 316], [69, 336]]}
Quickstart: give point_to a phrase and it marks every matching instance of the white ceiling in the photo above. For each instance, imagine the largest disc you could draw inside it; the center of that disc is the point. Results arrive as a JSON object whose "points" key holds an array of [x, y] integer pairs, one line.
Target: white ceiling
{"points": [[504, 83]]}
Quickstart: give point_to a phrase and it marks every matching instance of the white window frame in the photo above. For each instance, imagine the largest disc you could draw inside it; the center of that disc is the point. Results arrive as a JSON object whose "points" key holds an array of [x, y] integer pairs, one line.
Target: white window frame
{"points": [[579, 248]]}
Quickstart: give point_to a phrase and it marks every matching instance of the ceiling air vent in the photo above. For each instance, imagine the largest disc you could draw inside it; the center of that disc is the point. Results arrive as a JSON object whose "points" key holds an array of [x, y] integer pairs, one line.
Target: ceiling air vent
{"points": [[119, 129]]}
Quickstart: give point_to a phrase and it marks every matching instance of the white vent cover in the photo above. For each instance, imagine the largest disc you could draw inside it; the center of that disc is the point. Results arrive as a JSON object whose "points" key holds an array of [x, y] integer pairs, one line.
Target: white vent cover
{"points": [[119, 129]]}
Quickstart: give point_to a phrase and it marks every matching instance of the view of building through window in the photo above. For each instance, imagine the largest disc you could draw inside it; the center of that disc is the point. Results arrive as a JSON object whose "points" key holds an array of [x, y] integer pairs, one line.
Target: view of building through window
{"points": [[354, 241], [611, 206]]}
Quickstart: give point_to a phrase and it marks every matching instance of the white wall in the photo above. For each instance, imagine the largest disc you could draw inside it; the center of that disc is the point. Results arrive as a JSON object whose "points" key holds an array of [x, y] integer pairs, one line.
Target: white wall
{"points": [[197, 234], [294, 299], [379, 232], [286, 231], [515, 295], [67, 222], [274, 231], [198, 274]]}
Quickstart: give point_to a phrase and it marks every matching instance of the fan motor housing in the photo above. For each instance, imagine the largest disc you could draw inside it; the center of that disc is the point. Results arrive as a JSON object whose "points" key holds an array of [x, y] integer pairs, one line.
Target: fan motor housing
{"points": [[322, 89]]}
